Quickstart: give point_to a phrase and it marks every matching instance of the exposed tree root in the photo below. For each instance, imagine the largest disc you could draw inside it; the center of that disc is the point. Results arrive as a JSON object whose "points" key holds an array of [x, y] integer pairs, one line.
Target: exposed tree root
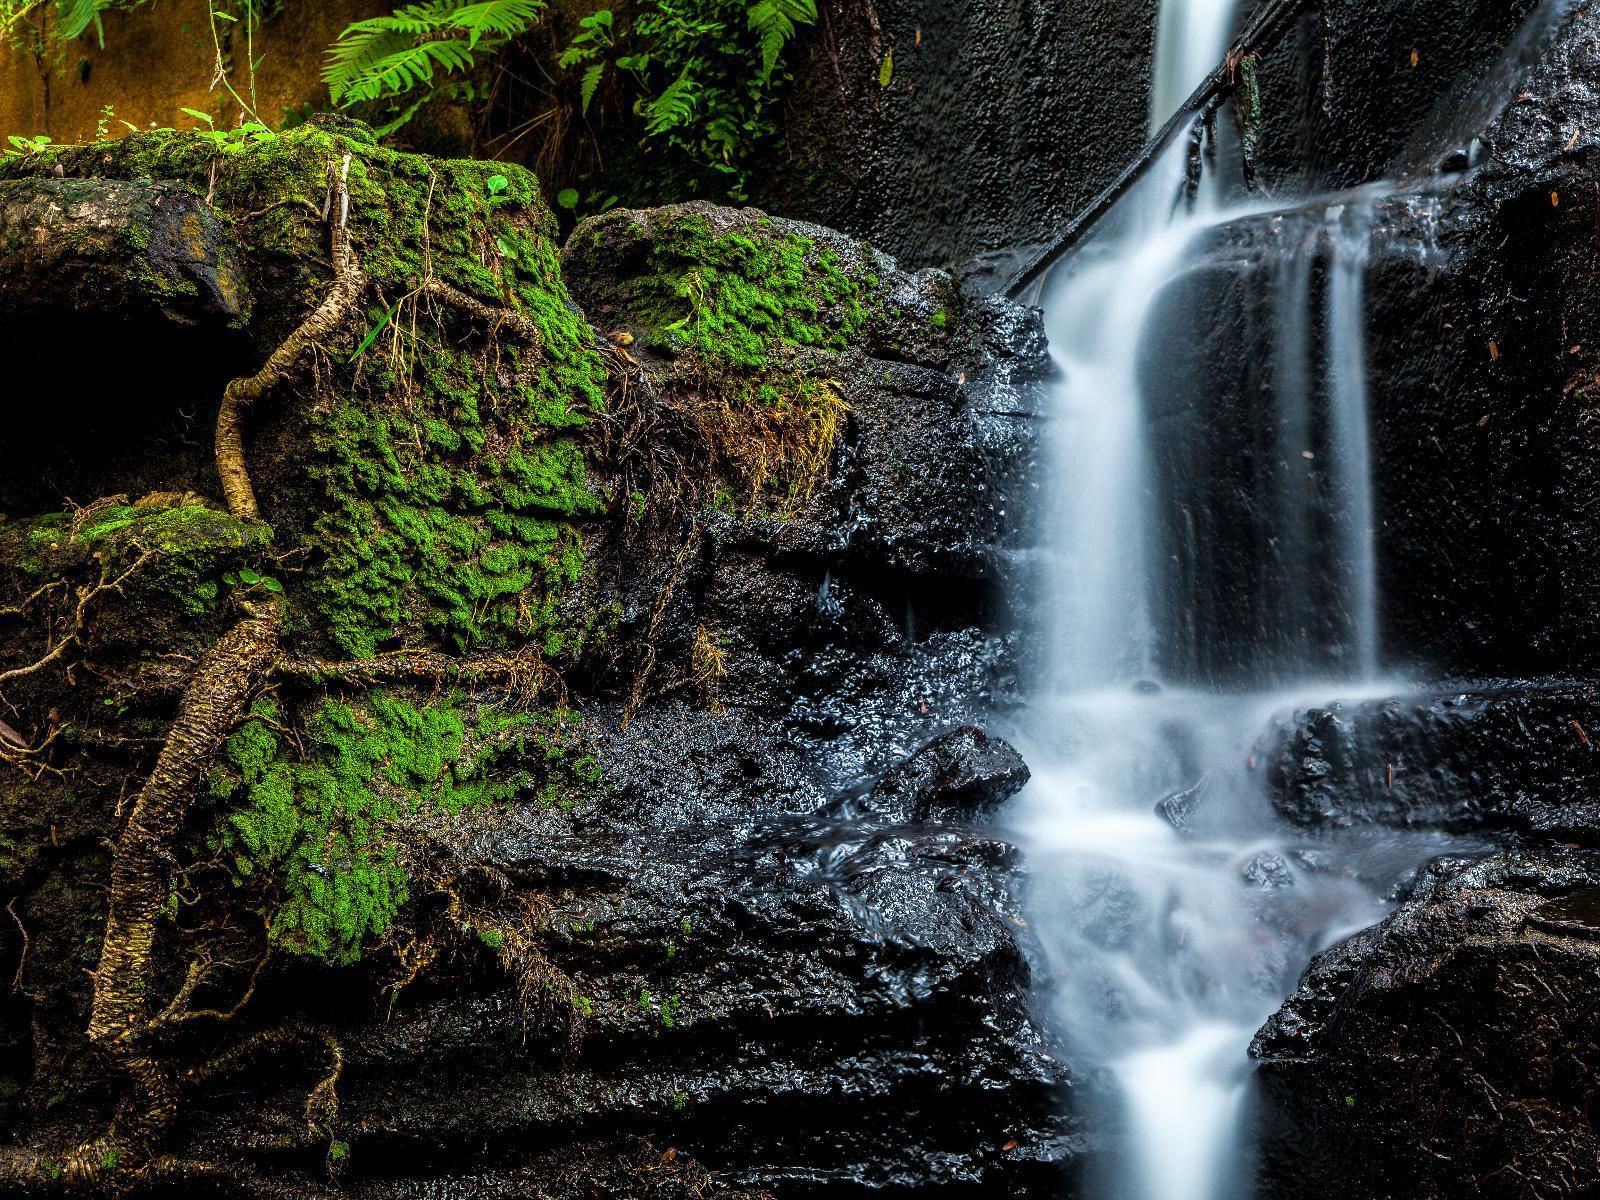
{"points": [[241, 394], [493, 317], [647, 657], [87, 595], [322, 1102], [141, 880], [522, 671]]}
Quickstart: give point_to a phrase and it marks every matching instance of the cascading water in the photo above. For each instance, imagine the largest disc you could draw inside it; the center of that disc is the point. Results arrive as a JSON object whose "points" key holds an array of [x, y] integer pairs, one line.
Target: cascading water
{"points": [[1174, 912]]}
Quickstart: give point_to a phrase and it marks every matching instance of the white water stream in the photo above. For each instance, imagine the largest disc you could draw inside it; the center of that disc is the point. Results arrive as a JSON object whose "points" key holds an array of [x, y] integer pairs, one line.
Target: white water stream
{"points": [[1169, 948]]}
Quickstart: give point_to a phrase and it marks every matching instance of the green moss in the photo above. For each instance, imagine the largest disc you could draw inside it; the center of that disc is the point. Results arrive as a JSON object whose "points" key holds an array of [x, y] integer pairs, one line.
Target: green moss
{"points": [[492, 938], [447, 482], [193, 546], [741, 296], [319, 820]]}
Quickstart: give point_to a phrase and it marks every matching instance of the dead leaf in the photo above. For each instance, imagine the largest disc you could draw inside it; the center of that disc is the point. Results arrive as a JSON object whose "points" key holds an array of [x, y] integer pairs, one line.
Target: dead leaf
{"points": [[1582, 736], [1555, 199], [669, 1154], [919, 39], [11, 736], [1494, 351], [1011, 1145], [1415, 59], [1573, 140], [620, 337]]}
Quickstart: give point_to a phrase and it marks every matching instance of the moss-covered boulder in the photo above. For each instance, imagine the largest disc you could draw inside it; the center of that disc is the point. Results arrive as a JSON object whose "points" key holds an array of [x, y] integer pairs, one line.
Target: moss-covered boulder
{"points": [[746, 290], [429, 457], [130, 249]]}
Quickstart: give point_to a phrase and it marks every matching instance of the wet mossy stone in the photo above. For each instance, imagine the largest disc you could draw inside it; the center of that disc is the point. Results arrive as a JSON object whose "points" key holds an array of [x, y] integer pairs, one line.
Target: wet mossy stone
{"points": [[127, 249], [429, 456], [324, 822], [173, 552], [743, 289]]}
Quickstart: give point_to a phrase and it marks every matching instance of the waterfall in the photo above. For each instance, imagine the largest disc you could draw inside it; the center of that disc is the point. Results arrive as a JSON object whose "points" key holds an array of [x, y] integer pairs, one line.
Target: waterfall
{"points": [[1175, 619]]}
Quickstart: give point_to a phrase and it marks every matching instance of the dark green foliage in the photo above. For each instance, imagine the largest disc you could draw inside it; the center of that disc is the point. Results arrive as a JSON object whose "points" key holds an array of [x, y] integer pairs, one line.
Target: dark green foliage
{"points": [[703, 76]]}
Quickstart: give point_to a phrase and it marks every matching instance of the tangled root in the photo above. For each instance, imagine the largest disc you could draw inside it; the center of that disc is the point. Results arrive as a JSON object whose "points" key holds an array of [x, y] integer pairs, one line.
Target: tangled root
{"points": [[141, 880], [241, 394]]}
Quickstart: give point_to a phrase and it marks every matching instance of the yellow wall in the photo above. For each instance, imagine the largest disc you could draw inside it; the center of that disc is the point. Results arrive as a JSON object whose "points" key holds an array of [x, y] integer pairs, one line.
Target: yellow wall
{"points": [[158, 59]]}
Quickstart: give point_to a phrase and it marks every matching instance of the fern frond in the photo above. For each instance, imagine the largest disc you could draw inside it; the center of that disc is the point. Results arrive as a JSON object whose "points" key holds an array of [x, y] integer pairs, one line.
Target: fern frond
{"points": [[591, 83], [497, 18], [388, 56], [774, 22], [675, 106]]}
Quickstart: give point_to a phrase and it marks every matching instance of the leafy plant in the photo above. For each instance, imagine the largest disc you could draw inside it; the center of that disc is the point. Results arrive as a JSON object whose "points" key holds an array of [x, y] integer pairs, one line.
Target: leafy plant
{"points": [[26, 23], [229, 141], [389, 56], [704, 74], [27, 145]]}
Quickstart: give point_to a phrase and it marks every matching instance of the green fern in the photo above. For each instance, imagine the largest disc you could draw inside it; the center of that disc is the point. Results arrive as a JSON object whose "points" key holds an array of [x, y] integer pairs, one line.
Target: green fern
{"points": [[389, 56], [675, 107], [72, 17], [591, 82], [774, 22]]}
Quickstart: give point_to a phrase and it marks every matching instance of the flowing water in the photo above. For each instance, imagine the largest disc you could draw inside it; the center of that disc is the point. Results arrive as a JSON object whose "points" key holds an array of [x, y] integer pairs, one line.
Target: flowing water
{"points": [[1174, 910]]}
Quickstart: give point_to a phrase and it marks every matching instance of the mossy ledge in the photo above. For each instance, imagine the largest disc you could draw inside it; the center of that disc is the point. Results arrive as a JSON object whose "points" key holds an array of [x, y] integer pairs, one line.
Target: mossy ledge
{"points": [[429, 460]]}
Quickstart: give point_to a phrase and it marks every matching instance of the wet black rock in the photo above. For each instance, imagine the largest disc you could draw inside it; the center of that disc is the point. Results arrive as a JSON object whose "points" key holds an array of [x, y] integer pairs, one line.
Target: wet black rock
{"points": [[1182, 807], [1447, 1052], [940, 131], [960, 775], [1267, 872], [1516, 758], [1360, 91], [789, 1027], [1481, 402]]}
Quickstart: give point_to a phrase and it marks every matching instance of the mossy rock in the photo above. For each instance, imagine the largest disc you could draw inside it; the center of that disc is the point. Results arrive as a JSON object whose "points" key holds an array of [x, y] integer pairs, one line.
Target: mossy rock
{"points": [[171, 552], [743, 289], [329, 822], [430, 457], [119, 248]]}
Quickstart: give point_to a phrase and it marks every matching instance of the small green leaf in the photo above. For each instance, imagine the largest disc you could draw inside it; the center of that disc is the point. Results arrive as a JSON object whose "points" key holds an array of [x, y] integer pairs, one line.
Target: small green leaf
{"points": [[231, 579], [200, 116], [886, 70], [567, 198], [271, 584], [226, 16], [497, 184], [249, 576], [505, 247], [372, 334]]}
